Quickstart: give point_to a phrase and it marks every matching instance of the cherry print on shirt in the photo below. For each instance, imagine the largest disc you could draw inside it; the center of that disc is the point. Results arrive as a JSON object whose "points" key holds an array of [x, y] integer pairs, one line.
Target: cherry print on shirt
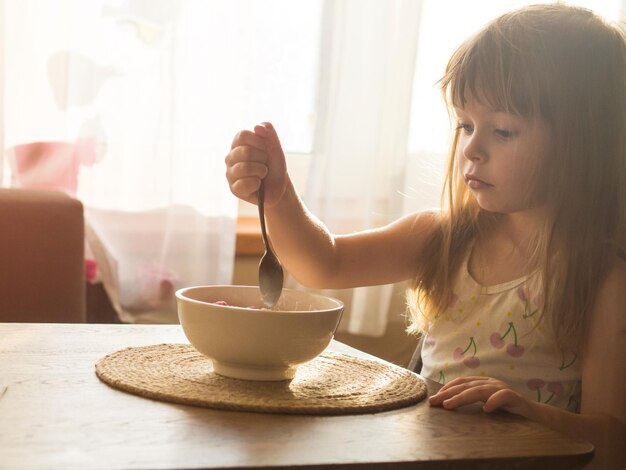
{"points": [[524, 294], [565, 364], [513, 349], [572, 404], [555, 389], [459, 355], [536, 384]]}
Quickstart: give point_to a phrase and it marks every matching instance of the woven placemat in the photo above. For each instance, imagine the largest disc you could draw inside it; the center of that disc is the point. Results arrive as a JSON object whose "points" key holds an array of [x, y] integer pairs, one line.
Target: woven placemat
{"points": [[331, 384]]}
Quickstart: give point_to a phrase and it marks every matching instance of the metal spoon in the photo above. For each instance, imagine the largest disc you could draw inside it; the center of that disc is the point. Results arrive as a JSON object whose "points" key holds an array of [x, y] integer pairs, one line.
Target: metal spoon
{"points": [[270, 270]]}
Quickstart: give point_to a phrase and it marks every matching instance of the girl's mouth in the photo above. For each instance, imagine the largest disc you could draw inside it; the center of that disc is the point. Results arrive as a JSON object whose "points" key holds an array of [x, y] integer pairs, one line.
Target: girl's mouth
{"points": [[476, 183]]}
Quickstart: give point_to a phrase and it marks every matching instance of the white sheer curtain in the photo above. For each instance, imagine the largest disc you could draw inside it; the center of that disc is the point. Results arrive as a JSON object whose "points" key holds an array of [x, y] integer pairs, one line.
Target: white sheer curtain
{"points": [[359, 157], [131, 105], [103, 100]]}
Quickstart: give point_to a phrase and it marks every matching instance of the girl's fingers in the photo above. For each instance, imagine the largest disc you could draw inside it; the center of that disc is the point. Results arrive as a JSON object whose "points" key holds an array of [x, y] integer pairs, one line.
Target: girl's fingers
{"points": [[245, 170], [246, 188], [494, 394], [508, 400], [277, 177], [248, 138], [271, 137], [464, 390], [454, 389], [266, 131], [471, 395], [254, 156], [462, 380], [260, 130], [244, 179], [245, 153]]}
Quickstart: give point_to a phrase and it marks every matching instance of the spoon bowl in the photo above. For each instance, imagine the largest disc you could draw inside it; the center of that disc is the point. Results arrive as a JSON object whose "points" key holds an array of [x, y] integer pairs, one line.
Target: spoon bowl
{"points": [[270, 270]]}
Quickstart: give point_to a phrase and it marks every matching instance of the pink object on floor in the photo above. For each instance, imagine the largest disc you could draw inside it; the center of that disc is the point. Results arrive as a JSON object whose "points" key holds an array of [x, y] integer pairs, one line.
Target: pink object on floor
{"points": [[91, 270]]}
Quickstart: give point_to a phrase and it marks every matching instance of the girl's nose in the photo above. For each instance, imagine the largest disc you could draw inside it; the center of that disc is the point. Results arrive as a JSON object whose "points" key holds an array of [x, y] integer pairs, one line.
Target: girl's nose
{"points": [[473, 148]]}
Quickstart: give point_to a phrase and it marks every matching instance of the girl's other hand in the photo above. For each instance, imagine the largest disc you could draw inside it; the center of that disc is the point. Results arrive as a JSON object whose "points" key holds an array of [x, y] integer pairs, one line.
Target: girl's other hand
{"points": [[256, 156], [493, 393]]}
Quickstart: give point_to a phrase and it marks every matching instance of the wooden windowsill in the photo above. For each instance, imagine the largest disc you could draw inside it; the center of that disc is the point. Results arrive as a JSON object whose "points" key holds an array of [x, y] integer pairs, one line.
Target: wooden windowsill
{"points": [[249, 241]]}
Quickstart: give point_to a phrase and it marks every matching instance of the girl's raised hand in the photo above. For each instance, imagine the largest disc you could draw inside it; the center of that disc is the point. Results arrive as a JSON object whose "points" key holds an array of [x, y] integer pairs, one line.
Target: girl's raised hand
{"points": [[255, 156]]}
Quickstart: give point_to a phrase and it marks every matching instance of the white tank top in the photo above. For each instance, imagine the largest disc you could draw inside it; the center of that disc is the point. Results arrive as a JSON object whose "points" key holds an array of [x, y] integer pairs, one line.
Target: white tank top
{"points": [[494, 331]]}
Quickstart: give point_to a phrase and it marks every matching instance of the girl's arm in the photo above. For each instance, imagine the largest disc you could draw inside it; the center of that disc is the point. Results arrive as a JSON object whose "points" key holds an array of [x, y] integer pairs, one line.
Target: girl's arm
{"points": [[308, 250], [319, 259], [604, 369], [602, 418]]}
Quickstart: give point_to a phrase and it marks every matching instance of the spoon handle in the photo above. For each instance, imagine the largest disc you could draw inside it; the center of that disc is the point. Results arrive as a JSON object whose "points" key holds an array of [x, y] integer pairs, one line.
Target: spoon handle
{"points": [[261, 203]]}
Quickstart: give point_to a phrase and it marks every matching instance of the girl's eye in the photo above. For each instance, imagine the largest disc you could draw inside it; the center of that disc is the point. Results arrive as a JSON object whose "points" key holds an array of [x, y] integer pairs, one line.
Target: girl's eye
{"points": [[467, 128], [505, 133]]}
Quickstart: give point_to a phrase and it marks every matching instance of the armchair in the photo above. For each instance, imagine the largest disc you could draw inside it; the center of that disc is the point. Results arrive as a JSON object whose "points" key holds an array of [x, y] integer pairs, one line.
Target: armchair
{"points": [[41, 257]]}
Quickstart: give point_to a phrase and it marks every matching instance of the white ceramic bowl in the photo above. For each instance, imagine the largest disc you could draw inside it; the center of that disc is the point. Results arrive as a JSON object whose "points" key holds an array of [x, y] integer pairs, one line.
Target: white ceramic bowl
{"points": [[251, 344]]}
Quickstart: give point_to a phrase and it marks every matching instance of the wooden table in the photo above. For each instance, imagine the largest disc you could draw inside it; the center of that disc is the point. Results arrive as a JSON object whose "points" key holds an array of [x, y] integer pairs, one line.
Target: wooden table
{"points": [[55, 413]]}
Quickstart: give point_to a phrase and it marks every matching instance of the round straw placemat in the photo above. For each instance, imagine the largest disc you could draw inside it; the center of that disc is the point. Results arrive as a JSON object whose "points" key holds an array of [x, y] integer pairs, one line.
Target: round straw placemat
{"points": [[331, 384]]}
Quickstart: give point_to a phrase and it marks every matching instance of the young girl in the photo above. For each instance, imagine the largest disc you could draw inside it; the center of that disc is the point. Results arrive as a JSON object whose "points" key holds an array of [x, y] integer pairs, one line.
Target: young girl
{"points": [[519, 285]]}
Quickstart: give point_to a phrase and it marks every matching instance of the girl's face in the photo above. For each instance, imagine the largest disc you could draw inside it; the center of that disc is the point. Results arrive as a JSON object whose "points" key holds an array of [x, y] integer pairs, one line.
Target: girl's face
{"points": [[500, 157]]}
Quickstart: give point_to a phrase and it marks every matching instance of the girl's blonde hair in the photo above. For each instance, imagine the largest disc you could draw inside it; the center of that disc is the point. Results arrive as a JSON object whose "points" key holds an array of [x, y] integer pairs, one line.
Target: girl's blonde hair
{"points": [[565, 66]]}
